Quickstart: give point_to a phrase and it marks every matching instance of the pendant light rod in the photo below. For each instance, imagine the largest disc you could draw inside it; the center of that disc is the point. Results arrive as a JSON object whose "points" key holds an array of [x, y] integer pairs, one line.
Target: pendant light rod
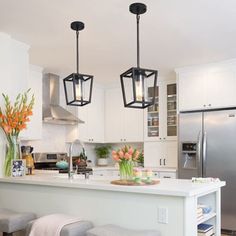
{"points": [[77, 26], [77, 52], [138, 45], [138, 9]]}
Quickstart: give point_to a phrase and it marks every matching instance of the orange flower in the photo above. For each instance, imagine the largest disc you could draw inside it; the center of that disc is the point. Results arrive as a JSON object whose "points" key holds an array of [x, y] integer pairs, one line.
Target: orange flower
{"points": [[7, 129]]}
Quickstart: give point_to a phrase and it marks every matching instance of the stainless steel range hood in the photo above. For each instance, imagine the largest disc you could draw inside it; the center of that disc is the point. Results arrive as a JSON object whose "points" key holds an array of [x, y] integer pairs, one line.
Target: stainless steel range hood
{"points": [[53, 113]]}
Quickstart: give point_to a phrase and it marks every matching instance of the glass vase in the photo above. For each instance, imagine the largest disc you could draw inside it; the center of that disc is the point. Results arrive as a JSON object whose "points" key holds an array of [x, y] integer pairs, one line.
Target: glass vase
{"points": [[126, 170], [13, 153]]}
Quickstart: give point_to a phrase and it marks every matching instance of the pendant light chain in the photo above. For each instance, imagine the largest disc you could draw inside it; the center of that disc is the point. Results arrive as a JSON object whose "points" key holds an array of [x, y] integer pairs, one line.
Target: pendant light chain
{"points": [[77, 52], [138, 46]]}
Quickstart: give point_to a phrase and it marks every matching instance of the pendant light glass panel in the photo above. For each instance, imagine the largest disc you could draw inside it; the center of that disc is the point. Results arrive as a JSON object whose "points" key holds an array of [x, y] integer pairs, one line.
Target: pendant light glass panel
{"points": [[78, 89], [134, 84]]}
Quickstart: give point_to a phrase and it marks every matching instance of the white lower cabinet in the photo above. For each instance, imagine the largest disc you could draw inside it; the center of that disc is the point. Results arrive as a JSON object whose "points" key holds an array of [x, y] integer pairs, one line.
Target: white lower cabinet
{"points": [[106, 173], [167, 175], [115, 173], [160, 154]]}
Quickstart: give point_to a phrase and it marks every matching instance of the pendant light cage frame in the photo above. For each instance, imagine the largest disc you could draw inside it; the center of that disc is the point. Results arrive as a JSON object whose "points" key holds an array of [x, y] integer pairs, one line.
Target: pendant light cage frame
{"points": [[70, 83], [129, 87], [138, 84], [78, 87]]}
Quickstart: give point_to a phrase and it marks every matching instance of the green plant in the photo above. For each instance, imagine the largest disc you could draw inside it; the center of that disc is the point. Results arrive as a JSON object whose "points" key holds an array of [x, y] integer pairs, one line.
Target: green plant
{"points": [[103, 151], [140, 159]]}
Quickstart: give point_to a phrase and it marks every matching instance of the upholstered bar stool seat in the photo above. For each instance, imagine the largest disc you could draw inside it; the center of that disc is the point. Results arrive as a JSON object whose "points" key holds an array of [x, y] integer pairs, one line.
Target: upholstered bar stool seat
{"points": [[114, 230], [75, 229], [12, 221]]}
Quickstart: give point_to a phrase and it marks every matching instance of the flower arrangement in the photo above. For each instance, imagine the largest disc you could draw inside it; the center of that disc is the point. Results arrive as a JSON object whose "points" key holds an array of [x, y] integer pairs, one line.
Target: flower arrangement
{"points": [[126, 157], [13, 120]]}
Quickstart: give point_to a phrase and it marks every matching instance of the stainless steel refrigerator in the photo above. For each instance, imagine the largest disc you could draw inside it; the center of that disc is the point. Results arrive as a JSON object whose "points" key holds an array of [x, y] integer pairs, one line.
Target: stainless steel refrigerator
{"points": [[207, 148]]}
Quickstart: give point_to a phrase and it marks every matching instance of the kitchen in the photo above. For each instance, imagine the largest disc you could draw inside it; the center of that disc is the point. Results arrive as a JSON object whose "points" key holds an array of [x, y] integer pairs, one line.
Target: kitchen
{"points": [[189, 83]]}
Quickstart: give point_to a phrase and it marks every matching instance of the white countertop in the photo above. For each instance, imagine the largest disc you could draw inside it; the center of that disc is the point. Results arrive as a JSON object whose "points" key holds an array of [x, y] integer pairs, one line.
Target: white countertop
{"points": [[168, 187]]}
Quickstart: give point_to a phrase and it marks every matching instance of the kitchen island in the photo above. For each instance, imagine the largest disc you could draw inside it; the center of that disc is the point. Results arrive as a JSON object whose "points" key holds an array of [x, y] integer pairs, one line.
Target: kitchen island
{"points": [[170, 207]]}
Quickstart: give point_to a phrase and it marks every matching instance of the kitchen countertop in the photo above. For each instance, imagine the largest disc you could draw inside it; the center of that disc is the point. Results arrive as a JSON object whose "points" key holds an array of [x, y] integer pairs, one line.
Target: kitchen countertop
{"points": [[168, 187]]}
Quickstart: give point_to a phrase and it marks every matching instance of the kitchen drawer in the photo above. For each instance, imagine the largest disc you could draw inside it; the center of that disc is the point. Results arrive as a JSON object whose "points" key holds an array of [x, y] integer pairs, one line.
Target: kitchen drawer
{"points": [[167, 175], [156, 174], [102, 173], [110, 173]]}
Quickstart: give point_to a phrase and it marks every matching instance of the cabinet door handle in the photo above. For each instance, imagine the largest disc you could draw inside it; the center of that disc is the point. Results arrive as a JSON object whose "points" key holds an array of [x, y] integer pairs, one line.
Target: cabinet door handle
{"points": [[164, 161], [167, 177], [121, 139], [204, 105], [164, 138], [160, 138], [209, 105], [160, 162], [124, 139]]}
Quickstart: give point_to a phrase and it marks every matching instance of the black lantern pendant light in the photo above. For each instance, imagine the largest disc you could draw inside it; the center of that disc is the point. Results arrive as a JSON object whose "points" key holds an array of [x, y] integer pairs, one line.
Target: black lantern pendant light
{"points": [[136, 80], [78, 87]]}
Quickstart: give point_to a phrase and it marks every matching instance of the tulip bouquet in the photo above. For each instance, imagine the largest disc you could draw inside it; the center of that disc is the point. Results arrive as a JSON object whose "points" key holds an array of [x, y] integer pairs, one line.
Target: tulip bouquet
{"points": [[13, 120], [126, 157]]}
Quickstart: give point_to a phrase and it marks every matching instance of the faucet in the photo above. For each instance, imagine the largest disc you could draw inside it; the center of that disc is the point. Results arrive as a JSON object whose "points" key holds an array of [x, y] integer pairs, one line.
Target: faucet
{"points": [[71, 172]]}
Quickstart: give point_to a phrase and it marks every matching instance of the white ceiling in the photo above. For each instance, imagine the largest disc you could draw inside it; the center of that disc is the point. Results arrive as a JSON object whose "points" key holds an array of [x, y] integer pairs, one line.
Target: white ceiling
{"points": [[174, 33]]}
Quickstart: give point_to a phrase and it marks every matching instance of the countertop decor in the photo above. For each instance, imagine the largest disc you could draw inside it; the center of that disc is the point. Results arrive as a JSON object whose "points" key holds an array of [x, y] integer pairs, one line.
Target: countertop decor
{"points": [[13, 120], [102, 152], [126, 157]]}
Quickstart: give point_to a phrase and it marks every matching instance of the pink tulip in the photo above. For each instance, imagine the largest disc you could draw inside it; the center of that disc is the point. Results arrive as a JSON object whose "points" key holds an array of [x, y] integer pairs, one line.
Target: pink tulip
{"points": [[131, 151], [121, 154], [127, 156], [116, 158]]}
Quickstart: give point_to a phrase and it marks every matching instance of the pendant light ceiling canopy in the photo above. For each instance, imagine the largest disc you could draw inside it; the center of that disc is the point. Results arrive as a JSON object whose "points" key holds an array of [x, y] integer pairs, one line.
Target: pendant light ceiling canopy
{"points": [[78, 87], [138, 84]]}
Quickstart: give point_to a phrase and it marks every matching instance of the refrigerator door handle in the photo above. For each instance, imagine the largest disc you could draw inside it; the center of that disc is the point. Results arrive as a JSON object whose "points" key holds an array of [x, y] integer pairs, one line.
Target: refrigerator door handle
{"points": [[204, 157], [199, 149]]}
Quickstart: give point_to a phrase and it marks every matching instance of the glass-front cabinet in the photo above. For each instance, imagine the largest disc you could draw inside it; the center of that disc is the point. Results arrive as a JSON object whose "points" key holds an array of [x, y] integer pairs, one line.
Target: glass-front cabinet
{"points": [[153, 114], [161, 118], [171, 110]]}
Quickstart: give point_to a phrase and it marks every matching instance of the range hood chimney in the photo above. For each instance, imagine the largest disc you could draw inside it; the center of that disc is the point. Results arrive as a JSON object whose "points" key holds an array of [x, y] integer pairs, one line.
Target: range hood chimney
{"points": [[53, 113]]}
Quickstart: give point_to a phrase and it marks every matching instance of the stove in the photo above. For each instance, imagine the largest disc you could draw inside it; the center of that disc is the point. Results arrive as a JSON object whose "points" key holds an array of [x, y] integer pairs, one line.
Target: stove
{"points": [[47, 161]]}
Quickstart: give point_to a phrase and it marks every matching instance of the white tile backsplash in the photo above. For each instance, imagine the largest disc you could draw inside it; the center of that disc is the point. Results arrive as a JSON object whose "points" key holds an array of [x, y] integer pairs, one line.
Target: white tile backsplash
{"points": [[53, 139]]}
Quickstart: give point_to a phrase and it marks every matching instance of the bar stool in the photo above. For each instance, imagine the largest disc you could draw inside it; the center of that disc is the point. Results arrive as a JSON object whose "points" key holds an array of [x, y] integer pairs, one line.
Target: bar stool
{"points": [[12, 221], [75, 229]]}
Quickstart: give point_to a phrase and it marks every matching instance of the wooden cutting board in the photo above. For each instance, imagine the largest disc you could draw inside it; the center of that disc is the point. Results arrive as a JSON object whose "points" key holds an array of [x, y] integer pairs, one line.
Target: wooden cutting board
{"points": [[133, 183]]}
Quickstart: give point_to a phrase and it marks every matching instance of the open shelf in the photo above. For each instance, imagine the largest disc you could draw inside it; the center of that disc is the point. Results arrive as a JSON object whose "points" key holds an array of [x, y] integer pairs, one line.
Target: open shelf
{"points": [[151, 112], [206, 217]]}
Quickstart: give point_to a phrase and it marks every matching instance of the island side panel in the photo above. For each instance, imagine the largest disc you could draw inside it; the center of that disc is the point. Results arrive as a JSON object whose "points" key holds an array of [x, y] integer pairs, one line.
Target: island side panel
{"points": [[131, 210]]}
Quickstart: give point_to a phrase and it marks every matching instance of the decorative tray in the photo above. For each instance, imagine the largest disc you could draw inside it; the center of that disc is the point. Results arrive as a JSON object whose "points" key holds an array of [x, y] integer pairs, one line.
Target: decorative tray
{"points": [[133, 183]]}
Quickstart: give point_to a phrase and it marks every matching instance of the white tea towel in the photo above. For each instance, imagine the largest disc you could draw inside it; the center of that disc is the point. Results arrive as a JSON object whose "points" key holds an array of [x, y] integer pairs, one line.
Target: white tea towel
{"points": [[51, 225]]}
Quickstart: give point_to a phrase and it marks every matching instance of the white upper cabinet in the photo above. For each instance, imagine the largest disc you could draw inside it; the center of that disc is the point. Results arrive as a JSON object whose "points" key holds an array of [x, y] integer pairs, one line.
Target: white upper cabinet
{"points": [[191, 90], [207, 87], [14, 66], [93, 116], [221, 87], [121, 124], [34, 127]]}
